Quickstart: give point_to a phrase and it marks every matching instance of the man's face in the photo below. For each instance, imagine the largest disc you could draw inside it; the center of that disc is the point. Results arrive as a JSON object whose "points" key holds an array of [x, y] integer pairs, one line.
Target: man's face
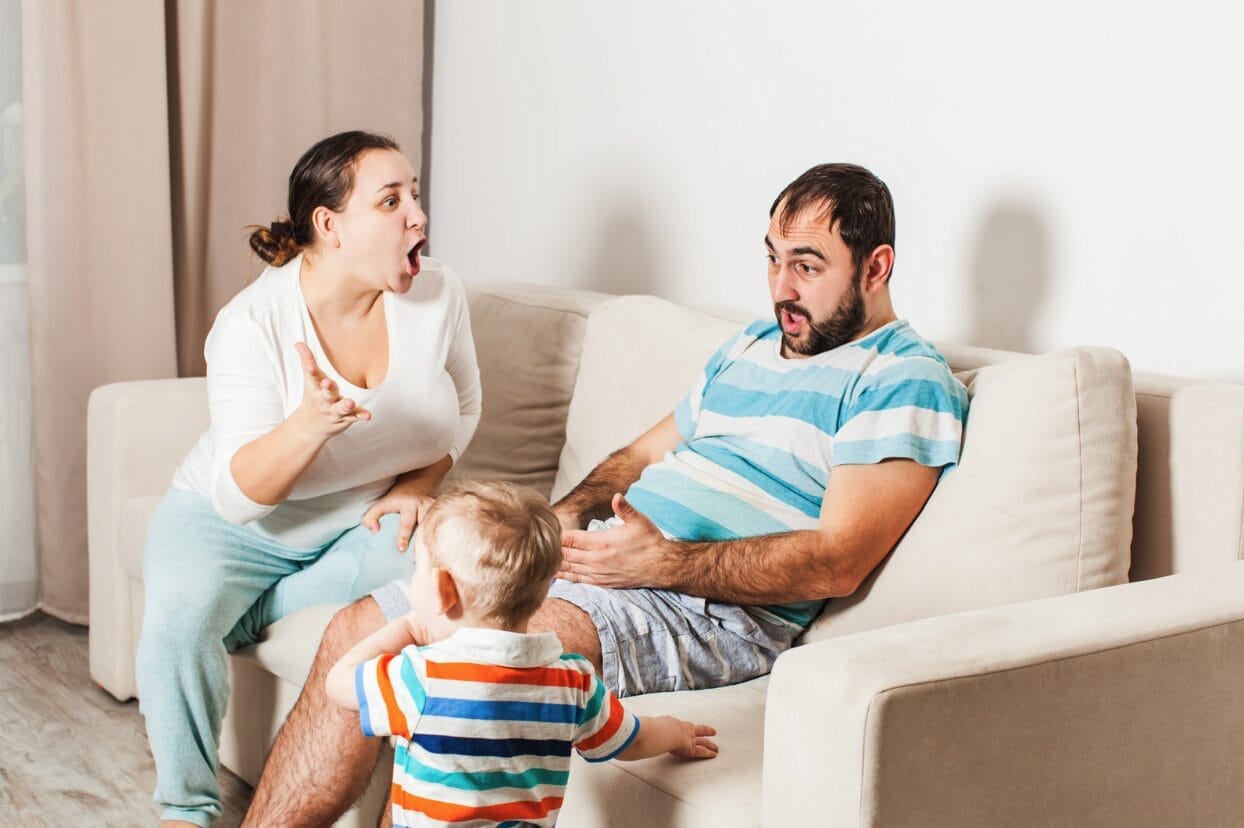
{"points": [[817, 292]]}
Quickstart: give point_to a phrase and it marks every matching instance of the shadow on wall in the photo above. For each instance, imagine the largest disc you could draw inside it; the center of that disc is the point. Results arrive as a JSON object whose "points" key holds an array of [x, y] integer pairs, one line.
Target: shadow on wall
{"points": [[622, 256], [1010, 271]]}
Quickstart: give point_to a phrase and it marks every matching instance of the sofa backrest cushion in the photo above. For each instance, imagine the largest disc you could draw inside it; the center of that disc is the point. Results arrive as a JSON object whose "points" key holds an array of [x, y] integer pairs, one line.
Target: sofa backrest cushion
{"points": [[527, 341], [1039, 505], [641, 355], [1190, 476]]}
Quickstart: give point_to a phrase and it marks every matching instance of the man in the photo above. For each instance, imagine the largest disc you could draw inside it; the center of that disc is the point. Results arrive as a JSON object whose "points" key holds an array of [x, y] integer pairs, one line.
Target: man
{"points": [[788, 473]]}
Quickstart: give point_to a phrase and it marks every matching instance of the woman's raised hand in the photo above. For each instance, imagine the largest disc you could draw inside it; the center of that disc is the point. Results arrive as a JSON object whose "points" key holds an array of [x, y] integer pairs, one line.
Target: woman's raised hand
{"points": [[323, 410]]}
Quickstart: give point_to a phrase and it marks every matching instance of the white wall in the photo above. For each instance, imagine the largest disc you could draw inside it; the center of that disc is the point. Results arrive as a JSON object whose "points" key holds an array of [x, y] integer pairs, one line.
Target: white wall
{"points": [[1065, 173]]}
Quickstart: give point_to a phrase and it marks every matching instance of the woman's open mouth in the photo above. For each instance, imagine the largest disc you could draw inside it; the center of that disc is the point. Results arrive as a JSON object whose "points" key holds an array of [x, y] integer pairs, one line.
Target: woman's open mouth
{"points": [[412, 257]]}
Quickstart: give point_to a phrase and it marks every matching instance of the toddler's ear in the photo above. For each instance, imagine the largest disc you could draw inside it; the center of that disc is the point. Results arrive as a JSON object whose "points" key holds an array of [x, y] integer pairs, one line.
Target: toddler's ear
{"points": [[446, 591]]}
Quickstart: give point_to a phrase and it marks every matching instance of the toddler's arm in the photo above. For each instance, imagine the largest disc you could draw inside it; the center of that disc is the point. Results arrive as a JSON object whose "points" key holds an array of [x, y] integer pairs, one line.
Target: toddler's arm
{"points": [[391, 638], [665, 734]]}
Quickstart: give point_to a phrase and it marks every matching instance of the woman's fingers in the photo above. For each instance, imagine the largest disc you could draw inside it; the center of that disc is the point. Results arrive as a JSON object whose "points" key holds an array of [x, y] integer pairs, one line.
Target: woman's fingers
{"points": [[405, 529], [309, 366], [372, 518], [347, 409]]}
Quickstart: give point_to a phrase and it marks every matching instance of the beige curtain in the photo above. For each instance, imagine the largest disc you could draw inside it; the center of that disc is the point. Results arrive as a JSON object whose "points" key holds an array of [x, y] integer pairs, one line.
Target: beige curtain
{"points": [[255, 84], [155, 131]]}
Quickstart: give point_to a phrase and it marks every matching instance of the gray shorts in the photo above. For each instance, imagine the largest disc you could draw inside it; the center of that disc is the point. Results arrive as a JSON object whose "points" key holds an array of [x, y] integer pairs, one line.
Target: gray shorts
{"points": [[654, 640]]}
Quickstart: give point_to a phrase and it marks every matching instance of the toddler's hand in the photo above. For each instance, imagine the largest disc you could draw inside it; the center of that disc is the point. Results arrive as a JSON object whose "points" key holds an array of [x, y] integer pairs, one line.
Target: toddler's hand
{"points": [[694, 743]]}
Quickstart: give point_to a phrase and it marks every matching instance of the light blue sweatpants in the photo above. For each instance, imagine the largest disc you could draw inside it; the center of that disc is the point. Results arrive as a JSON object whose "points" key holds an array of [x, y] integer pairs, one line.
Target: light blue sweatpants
{"points": [[211, 586]]}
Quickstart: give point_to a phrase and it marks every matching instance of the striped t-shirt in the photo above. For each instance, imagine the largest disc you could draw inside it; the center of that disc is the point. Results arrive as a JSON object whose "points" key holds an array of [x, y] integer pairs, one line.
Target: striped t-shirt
{"points": [[485, 721], [761, 433]]}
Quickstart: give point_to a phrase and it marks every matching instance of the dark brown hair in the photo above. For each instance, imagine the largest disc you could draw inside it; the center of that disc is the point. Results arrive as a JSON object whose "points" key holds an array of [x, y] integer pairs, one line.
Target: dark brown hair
{"points": [[847, 195], [323, 176]]}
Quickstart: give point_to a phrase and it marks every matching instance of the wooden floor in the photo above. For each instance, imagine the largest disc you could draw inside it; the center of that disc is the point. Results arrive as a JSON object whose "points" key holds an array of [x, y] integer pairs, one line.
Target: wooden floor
{"points": [[71, 754]]}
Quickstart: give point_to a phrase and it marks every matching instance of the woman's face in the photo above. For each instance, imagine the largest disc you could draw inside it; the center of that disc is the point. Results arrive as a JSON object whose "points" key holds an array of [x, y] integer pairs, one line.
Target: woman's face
{"points": [[382, 227]]}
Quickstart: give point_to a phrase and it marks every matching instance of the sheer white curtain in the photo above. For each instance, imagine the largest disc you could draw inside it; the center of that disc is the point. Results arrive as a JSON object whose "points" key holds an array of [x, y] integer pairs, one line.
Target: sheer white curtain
{"points": [[19, 565]]}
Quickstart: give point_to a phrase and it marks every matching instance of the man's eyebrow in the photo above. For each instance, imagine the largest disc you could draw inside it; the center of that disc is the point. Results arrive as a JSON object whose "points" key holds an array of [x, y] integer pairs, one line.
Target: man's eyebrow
{"points": [[798, 251], [393, 184], [809, 251]]}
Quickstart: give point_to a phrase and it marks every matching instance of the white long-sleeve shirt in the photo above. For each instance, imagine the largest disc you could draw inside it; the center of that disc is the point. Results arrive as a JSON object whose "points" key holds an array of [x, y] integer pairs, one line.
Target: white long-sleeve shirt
{"points": [[427, 406]]}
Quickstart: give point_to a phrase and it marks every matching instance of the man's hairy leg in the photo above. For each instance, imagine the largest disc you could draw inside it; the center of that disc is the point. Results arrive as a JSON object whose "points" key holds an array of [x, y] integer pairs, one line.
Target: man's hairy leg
{"points": [[320, 762], [574, 627]]}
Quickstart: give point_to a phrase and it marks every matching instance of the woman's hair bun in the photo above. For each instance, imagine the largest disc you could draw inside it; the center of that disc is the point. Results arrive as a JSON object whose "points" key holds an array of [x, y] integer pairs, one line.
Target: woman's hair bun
{"points": [[275, 243]]}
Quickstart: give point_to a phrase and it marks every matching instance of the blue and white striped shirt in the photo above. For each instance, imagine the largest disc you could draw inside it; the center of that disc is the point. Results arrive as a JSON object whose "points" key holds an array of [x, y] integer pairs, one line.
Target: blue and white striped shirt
{"points": [[762, 432]]}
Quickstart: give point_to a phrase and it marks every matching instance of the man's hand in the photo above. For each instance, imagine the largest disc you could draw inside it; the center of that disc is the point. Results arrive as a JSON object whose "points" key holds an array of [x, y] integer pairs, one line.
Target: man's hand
{"points": [[624, 557]]}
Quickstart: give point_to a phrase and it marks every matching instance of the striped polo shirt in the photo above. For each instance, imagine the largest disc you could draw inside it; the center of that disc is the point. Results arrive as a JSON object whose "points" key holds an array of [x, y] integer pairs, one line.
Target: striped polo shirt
{"points": [[761, 434], [485, 721]]}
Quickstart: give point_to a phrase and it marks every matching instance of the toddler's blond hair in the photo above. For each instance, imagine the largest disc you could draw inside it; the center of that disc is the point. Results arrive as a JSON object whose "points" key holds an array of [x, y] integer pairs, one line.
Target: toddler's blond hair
{"points": [[501, 542]]}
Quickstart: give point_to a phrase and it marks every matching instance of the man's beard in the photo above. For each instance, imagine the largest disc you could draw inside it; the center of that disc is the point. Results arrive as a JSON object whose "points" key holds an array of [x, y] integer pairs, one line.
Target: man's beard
{"points": [[843, 325]]}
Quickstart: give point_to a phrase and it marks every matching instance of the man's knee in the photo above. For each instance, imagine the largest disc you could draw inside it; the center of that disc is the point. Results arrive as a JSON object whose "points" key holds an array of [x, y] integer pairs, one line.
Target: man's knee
{"points": [[574, 627], [348, 627]]}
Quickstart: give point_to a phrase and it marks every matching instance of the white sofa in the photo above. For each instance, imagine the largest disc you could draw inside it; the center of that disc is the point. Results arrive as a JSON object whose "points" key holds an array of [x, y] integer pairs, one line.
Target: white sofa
{"points": [[998, 668]]}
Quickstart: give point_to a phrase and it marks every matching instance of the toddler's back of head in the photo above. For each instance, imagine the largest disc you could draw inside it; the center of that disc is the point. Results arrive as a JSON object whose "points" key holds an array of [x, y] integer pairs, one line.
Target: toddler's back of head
{"points": [[501, 542]]}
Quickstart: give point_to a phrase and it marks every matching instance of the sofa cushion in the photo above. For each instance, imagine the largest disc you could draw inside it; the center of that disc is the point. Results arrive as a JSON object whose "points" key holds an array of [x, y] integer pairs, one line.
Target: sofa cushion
{"points": [[527, 343], [640, 357], [668, 791], [287, 647], [1040, 504]]}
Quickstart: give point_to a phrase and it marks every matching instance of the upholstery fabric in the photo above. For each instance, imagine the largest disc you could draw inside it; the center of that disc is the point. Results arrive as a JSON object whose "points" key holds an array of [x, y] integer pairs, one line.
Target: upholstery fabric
{"points": [[621, 392], [1189, 513], [1114, 706], [527, 344], [1040, 505]]}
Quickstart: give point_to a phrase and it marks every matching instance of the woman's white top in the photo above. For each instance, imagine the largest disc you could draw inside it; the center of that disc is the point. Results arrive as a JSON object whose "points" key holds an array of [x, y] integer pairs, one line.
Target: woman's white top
{"points": [[427, 406]]}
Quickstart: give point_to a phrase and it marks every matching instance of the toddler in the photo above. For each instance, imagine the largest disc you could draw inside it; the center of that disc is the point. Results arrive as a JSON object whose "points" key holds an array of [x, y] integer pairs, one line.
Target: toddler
{"points": [[485, 713]]}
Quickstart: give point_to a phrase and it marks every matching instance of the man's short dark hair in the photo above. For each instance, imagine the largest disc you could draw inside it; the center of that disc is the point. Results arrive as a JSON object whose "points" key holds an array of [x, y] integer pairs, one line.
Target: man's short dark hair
{"points": [[847, 195]]}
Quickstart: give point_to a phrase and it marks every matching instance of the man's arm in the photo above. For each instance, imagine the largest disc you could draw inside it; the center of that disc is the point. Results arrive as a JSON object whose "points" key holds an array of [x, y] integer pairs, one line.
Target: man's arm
{"points": [[591, 498], [866, 510]]}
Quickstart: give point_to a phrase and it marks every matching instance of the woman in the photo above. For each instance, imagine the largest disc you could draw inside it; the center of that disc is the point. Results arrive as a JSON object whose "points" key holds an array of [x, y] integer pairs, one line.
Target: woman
{"points": [[342, 386]]}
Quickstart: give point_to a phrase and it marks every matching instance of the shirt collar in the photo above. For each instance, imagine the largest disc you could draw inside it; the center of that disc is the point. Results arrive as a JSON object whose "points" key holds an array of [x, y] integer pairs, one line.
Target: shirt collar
{"points": [[501, 647]]}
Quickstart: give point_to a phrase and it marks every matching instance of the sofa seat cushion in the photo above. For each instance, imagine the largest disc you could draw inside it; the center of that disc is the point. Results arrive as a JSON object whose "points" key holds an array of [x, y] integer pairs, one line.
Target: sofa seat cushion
{"points": [[676, 792], [287, 647], [1040, 504], [135, 515]]}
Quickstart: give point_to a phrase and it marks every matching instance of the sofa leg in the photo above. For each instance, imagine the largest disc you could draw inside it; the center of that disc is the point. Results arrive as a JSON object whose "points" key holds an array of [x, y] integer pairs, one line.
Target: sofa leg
{"points": [[320, 762]]}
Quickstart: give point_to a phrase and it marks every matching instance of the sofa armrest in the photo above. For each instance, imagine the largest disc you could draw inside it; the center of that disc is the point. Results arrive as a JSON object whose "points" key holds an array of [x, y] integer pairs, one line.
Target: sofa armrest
{"points": [[137, 433], [1119, 705]]}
